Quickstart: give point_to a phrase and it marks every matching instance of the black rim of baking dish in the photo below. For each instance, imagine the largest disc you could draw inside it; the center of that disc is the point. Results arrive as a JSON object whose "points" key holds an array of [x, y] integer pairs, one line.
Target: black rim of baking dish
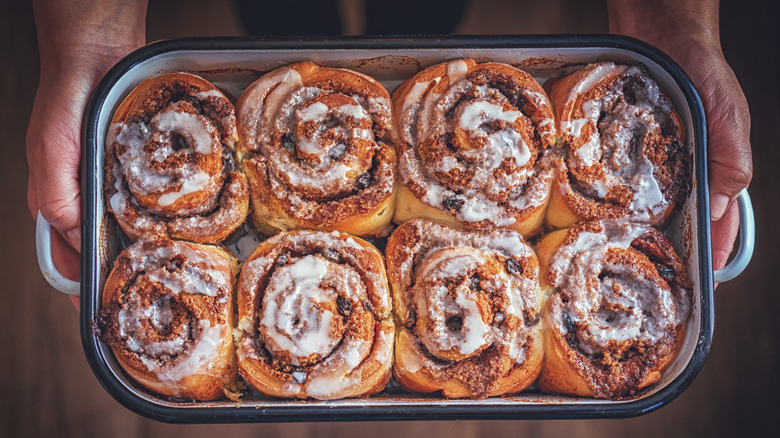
{"points": [[430, 409]]}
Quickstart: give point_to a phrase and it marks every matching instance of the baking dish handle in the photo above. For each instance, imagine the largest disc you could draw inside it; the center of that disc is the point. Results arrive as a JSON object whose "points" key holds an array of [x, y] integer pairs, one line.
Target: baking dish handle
{"points": [[45, 261], [747, 240]]}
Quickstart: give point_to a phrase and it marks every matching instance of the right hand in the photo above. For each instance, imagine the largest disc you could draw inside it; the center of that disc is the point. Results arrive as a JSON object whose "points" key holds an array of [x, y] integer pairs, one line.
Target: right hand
{"points": [[78, 43], [687, 30]]}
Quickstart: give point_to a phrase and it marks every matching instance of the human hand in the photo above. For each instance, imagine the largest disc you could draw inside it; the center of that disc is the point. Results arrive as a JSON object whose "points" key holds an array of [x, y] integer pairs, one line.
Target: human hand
{"points": [[77, 44], [728, 132], [688, 32]]}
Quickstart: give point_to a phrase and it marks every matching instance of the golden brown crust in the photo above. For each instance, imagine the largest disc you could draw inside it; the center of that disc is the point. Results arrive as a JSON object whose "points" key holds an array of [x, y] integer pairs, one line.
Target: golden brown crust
{"points": [[170, 163], [315, 317], [318, 148], [167, 314], [625, 150], [473, 143], [467, 304], [619, 313]]}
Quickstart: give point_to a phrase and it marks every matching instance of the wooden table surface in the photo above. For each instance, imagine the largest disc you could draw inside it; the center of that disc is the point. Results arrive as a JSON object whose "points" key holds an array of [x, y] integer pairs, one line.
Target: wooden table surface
{"points": [[48, 389]]}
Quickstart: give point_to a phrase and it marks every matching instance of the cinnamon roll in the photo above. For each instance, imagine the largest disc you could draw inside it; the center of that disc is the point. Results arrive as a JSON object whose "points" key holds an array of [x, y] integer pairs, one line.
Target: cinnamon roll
{"points": [[167, 314], [619, 313], [626, 155], [318, 149], [468, 305], [315, 317], [170, 164], [473, 146]]}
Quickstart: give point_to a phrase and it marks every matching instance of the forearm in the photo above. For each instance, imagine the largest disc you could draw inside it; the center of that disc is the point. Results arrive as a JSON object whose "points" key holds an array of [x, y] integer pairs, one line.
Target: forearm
{"points": [[87, 33], [665, 23]]}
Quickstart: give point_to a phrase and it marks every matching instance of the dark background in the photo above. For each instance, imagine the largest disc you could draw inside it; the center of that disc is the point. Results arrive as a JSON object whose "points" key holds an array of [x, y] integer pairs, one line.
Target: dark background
{"points": [[47, 388]]}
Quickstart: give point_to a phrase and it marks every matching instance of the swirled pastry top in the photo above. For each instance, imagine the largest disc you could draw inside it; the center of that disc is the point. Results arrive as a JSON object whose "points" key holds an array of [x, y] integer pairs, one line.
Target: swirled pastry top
{"points": [[592, 250], [626, 154], [622, 300], [314, 317], [472, 301], [318, 142], [167, 314], [170, 163], [471, 137]]}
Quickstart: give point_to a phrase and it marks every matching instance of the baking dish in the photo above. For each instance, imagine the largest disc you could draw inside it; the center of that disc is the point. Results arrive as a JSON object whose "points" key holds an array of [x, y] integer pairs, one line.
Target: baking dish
{"points": [[233, 63]]}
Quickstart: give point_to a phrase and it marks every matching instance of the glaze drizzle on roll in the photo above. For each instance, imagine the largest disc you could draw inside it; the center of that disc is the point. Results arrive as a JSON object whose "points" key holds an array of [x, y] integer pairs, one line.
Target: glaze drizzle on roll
{"points": [[473, 140]]}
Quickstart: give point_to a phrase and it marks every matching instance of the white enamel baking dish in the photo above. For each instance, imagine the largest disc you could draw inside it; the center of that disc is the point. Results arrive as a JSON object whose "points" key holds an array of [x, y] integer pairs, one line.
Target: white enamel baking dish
{"points": [[233, 63]]}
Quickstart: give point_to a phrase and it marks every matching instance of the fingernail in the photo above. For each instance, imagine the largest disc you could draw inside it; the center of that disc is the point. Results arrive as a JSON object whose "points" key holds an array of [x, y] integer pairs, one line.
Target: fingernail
{"points": [[718, 204]]}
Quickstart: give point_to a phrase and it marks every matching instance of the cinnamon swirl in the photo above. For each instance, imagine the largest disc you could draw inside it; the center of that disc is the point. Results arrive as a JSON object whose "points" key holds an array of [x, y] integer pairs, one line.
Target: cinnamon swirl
{"points": [[619, 312], [318, 148], [473, 143], [170, 164], [468, 305], [167, 314], [315, 317], [626, 155]]}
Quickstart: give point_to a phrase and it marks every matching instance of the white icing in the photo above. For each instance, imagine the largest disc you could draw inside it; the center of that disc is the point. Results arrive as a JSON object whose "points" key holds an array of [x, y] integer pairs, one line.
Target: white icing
{"points": [[311, 152], [480, 111], [296, 321], [611, 144], [410, 108], [197, 360], [118, 201], [497, 168], [643, 308], [194, 127], [573, 127], [474, 327], [200, 272], [353, 358], [596, 75], [354, 111], [299, 313], [439, 270], [456, 70], [380, 107], [148, 172], [207, 94], [192, 183], [453, 296], [193, 349], [589, 153], [474, 211], [314, 112]]}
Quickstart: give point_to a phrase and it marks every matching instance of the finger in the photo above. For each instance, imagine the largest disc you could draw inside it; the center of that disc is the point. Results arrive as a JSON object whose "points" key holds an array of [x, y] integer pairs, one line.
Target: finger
{"points": [[729, 174], [66, 259], [724, 234]]}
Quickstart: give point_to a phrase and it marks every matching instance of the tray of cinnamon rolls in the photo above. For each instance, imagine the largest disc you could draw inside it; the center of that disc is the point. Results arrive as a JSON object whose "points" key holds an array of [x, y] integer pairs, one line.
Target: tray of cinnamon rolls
{"points": [[358, 229]]}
